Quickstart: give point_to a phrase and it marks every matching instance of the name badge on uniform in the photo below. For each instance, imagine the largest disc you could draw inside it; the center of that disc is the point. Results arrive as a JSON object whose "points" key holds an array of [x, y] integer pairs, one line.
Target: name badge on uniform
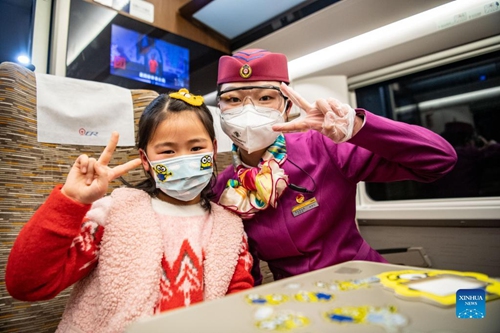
{"points": [[305, 206]]}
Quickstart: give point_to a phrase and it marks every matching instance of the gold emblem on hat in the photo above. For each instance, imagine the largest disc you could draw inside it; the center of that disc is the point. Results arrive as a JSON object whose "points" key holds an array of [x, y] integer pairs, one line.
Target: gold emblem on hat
{"points": [[245, 71]]}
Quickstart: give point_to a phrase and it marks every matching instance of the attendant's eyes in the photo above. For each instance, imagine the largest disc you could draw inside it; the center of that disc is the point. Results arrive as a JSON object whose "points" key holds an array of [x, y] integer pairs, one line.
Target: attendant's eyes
{"points": [[232, 99], [168, 152]]}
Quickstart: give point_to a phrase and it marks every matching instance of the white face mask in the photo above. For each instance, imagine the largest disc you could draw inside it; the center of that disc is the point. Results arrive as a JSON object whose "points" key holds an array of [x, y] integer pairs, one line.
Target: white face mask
{"points": [[250, 127], [183, 177]]}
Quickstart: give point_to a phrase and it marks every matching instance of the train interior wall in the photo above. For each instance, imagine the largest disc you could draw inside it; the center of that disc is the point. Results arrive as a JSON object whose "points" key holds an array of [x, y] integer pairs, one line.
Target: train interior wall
{"points": [[450, 248]]}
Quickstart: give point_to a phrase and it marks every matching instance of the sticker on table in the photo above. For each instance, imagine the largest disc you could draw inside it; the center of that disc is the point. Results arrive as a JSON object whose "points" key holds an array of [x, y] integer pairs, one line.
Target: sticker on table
{"points": [[438, 287], [293, 285], [270, 299], [348, 284], [313, 297], [270, 319], [385, 316]]}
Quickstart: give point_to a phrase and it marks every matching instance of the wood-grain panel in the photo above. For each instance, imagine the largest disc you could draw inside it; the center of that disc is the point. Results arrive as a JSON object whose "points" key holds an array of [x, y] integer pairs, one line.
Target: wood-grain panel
{"points": [[167, 17]]}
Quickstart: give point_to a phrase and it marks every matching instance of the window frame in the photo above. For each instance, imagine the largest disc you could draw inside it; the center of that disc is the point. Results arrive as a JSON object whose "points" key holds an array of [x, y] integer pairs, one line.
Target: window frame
{"points": [[454, 212]]}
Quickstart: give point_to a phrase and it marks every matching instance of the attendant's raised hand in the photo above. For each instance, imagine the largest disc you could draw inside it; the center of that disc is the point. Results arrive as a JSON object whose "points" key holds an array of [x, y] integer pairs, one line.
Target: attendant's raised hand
{"points": [[88, 179], [330, 117]]}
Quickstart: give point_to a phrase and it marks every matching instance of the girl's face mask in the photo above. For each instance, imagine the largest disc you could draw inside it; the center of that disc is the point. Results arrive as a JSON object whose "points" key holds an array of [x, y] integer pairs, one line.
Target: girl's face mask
{"points": [[183, 177], [250, 127]]}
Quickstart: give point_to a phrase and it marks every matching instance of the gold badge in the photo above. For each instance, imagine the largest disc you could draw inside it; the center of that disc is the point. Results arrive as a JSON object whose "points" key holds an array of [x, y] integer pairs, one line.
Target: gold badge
{"points": [[245, 71], [305, 206]]}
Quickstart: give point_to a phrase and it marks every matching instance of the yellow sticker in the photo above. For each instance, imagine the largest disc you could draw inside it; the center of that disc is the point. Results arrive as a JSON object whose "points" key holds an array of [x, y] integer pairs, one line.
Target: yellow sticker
{"points": [[438, 287]]}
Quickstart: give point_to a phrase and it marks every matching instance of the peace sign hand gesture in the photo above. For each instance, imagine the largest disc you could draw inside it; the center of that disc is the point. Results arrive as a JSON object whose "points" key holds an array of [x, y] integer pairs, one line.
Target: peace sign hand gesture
{"points": [[88, 179], [330, 117]]}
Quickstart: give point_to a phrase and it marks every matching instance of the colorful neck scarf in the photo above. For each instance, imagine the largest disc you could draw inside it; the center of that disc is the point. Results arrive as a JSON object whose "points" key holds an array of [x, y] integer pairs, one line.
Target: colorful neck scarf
{"points": [[257, 187]]}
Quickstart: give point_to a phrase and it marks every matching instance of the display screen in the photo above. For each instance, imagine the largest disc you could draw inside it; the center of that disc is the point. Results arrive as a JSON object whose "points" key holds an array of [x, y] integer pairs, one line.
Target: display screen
{"points": [[119, 50], [139, 57]]}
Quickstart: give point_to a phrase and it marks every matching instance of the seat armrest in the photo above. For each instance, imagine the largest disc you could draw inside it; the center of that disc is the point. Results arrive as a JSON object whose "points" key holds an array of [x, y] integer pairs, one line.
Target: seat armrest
{"points": [[407, 256]]}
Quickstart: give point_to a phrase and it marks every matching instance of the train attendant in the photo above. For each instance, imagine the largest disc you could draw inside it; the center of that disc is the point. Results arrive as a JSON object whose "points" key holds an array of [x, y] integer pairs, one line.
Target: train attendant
{"points": [[142, 250], [297, 191]]}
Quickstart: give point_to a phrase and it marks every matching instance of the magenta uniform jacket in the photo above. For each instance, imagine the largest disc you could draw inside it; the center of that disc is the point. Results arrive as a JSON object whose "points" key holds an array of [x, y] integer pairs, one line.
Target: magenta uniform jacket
{"points": [[383, 150]]}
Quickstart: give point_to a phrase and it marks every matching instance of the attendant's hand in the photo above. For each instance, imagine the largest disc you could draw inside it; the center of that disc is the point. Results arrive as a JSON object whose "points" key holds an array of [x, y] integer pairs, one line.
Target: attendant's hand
{"points": [[330, 117], [88, 179]]}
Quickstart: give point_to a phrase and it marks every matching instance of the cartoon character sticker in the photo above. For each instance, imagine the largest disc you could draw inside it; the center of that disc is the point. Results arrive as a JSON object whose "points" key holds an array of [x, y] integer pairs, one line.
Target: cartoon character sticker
{"points": [[162, 172], [313, 297], [437, 287], [386, 316], [270, 299], [206, 162], [348, 284], [270, 319]]}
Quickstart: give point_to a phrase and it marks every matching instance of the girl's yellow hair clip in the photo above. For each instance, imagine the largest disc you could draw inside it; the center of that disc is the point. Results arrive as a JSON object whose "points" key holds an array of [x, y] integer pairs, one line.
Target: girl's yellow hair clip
{"points": [[183, 94]]}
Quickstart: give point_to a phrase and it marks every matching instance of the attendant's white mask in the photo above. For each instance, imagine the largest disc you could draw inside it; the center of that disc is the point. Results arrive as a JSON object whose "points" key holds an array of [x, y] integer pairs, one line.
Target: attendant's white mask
{"points": [[250, 127]]}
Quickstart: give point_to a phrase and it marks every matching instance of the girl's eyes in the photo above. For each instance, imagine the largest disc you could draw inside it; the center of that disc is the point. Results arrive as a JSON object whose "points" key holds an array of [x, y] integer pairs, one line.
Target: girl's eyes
{"points": [[169, 152]]}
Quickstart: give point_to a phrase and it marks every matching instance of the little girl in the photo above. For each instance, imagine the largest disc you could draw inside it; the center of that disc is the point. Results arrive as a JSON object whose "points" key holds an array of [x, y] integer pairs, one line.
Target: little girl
{"points": [[142, 250]]}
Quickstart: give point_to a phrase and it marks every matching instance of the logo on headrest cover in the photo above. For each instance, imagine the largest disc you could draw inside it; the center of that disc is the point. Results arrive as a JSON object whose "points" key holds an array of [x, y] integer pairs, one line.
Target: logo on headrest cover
{"points": [[245, 71]]}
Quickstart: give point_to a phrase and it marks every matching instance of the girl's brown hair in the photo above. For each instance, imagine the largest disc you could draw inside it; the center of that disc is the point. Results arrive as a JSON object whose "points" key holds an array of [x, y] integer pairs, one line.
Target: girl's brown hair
{"points": [[156, 112]]}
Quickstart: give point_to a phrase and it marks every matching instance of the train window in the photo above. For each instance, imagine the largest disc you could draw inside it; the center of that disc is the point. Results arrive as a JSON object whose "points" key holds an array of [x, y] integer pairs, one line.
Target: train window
{"points": [[459, 101]]}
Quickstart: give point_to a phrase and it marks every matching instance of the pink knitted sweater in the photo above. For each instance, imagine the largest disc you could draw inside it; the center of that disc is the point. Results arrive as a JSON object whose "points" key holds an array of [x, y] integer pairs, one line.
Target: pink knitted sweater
{"points": [[124, 285]]}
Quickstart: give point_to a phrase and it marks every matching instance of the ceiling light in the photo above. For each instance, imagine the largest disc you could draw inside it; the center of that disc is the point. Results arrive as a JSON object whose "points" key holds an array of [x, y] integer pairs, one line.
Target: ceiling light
{"points": [[413, 27], [23, 59]]}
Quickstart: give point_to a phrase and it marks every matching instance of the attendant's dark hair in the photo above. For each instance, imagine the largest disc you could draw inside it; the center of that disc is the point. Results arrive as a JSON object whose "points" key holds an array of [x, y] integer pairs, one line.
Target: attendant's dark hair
{"points": [[156, 112]]}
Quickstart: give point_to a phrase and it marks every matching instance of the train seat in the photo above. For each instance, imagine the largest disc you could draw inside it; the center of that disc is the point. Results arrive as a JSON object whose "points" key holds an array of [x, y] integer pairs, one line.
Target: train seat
{"points": [[28, 171]]}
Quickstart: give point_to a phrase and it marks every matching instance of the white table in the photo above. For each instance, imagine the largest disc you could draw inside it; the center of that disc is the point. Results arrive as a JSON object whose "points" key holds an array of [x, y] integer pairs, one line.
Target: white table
{"points": [[235, 313]]}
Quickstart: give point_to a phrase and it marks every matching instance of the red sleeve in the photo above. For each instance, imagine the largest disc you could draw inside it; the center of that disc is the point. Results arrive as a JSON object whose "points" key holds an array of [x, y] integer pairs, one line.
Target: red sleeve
{"points": [[242, 278], [53, 250]]}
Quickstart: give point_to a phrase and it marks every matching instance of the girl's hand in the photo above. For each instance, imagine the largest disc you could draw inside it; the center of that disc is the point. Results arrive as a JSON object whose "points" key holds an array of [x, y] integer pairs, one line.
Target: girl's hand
{"points": [[89, 178], [330, 117]]}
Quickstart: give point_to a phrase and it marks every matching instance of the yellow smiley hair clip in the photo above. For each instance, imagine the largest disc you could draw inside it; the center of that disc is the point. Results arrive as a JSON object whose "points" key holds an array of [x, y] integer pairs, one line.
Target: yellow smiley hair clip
{"points": [[183, 94]]}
